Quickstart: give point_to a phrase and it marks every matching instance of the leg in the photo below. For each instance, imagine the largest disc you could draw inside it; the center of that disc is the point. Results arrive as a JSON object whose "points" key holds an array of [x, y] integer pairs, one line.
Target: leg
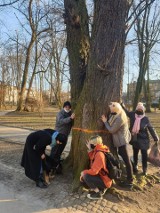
{"points": [[144, 161], [135, 159], [135, 156], [122, 151], [94, 182]]}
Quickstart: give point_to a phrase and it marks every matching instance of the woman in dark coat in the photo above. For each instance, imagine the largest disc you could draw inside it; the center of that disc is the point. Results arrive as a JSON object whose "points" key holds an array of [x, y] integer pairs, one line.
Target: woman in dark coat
{"points": [[33, 158], [139, 127]]}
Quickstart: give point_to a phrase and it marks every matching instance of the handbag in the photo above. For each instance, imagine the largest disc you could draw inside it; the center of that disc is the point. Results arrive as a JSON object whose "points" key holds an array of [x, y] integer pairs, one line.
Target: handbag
{"points": [[133, 139], [154, 155], [48, 150]]}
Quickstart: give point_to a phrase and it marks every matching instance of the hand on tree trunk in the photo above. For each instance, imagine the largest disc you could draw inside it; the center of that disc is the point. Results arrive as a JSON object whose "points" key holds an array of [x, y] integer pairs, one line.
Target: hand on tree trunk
{"points": [[104, 118]]}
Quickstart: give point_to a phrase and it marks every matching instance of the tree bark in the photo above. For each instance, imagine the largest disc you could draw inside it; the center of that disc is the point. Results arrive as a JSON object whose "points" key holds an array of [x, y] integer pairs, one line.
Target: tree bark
{"points": [[78, 44], [103, 80]]}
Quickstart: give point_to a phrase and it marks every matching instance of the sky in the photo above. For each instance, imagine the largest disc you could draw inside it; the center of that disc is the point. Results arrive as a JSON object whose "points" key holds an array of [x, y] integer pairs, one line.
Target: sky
{"points": [[10, 24]]}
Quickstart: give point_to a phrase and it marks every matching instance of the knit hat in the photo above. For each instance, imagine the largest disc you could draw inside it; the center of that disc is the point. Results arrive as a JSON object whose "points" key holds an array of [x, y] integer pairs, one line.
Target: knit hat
{"points": [[95, 140], [62, 138], [140, 106], [115, 107], [67, 103]]}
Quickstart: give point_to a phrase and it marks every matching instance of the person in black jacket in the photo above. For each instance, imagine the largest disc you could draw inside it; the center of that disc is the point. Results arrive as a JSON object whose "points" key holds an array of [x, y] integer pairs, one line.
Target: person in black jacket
{"points": [[64, 120], [33, 158], [139, 127]]}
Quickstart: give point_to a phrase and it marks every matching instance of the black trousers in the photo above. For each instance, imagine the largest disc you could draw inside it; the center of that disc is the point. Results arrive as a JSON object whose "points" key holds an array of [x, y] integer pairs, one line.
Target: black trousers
{"points": [[144, 157], [123, 152], [94, 181]]}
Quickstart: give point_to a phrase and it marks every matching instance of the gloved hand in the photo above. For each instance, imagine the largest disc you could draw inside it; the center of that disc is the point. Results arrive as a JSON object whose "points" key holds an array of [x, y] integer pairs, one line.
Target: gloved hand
{"points": [[156, 143]]}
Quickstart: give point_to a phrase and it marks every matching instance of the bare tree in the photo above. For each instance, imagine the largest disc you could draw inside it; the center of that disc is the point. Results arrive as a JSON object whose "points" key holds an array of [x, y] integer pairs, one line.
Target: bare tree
{"points": [[147, 30], [34, 18], [5, 3]]}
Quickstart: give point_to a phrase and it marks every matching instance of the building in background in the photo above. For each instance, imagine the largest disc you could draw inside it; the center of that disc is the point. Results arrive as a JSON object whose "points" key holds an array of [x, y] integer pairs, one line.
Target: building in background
{"points": [[154, 91]]}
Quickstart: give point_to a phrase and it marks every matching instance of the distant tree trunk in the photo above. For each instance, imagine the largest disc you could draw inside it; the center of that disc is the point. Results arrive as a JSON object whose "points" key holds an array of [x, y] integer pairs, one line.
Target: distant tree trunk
{"points": [[25, 75], [32, 77], [78, 44], [103, 80], [147, 93]]}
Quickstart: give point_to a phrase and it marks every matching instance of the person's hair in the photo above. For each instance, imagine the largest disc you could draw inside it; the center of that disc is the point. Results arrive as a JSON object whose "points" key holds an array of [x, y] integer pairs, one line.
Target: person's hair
{"points": [[95, 140], [124, 116], [119, 110], [61, 137], [67, 103]]}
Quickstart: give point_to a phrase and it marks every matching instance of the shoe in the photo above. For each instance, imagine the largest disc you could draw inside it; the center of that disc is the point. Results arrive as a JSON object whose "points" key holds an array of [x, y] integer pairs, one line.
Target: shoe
{"points": [[126, 183], [135, 167], [104, 191], [95, 195], [41, 184], [144, 172]]}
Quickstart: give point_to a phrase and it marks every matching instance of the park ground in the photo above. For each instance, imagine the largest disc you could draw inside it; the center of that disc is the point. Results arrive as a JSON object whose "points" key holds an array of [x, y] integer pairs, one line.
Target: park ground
{"points": [[59, 196]]}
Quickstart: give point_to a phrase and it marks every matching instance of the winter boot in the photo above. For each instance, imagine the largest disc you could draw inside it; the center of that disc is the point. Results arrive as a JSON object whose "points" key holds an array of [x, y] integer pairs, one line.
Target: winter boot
{"points": [[135, 167], [144, 171]]}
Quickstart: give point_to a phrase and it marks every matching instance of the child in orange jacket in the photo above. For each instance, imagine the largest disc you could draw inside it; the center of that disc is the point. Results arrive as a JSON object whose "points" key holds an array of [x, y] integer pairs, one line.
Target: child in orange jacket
{"points": [[96, 177]]}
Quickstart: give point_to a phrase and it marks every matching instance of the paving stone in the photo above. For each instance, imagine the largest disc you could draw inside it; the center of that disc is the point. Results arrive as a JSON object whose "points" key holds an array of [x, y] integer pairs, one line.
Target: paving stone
{"points": [[111, 211], [114, 208], [98, 211], [89, 207], [94, 209]]}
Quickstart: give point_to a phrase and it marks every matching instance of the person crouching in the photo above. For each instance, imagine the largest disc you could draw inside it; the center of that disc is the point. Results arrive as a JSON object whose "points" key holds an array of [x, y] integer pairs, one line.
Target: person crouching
{"points": [[34, 159], [96, 177]]}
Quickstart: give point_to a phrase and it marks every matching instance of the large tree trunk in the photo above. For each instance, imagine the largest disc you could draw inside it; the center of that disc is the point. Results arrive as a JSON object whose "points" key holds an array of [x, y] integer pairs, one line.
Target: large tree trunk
{"points": [[76, 20], [103, 80]]}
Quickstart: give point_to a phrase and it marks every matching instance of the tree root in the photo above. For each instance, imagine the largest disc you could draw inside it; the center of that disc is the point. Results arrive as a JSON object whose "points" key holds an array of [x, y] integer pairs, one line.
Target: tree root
{"points": [[116, 193], [140, 182]]}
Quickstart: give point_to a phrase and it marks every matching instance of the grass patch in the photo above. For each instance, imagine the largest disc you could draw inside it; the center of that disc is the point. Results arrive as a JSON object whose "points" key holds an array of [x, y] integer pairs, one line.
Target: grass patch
{"points": [[35, 120], [30, 120]]}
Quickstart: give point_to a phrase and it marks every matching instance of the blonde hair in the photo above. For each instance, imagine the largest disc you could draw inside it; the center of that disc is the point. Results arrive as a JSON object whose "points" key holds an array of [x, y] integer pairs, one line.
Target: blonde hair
{"points": [[124, 116], [116, 107], [95, 140]]}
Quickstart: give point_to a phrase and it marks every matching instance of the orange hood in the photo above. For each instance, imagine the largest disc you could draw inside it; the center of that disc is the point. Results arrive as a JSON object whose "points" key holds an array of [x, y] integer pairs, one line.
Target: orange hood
{"points": [[101, 147]]}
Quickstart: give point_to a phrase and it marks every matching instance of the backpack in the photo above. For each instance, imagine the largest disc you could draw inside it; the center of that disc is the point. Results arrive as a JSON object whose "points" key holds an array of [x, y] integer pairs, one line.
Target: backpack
{"points": [[113, 166]]}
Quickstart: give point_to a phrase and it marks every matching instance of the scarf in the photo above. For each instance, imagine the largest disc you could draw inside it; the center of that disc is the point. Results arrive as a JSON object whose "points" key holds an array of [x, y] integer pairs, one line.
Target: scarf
{"points": [[137, 122]]}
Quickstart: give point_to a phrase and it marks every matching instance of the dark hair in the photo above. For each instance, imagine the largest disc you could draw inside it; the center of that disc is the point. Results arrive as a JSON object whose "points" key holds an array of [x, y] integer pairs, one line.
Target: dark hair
{"points": [[62, 138], [67, 103]]}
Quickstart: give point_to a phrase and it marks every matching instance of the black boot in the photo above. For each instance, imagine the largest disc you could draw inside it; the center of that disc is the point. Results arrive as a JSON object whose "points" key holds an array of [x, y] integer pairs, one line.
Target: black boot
{"points": [[40, 183], [144, 171], [135, 167]]}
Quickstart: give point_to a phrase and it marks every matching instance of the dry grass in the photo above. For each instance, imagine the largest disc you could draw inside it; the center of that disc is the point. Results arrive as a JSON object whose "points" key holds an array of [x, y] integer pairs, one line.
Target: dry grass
{"points": [[34, 120], [30, 120], [155, 120]]}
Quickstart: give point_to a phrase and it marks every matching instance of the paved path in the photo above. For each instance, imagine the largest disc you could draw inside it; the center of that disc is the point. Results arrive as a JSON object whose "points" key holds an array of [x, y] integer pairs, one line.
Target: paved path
{"points": [[18, 194], [10, 202], [14, 134], [18, 135]]}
